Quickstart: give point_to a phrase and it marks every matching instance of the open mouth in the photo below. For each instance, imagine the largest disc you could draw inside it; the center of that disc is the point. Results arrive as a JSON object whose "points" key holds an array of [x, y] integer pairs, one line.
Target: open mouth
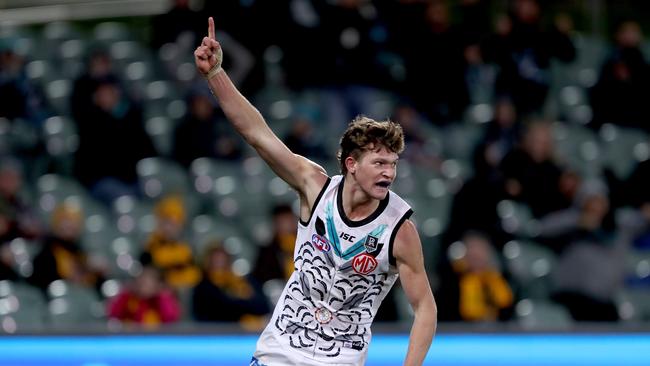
{"points": [[384, 184]]}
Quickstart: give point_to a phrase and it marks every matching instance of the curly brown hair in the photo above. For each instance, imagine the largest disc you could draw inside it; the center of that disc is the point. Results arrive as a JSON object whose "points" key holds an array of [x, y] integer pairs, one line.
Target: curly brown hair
{"points": [[364, 134]]}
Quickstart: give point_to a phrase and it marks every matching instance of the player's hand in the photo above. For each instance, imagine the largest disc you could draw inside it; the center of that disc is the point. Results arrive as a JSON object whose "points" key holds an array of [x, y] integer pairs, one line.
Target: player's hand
{"points": [[208, 55]]}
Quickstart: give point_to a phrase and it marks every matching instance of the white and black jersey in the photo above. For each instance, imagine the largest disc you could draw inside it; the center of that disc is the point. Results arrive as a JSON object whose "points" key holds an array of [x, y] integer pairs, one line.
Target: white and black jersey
{"points": [[343, 271]]}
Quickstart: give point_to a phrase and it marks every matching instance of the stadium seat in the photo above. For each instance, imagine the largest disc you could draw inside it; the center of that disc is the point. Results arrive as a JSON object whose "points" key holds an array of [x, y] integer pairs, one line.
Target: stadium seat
{"points": [[22, 308], [542, 315], [61, 141], [73, 307], [530, 265], [112, 32], [159, 177], [461, 139], [54, 189], [579, 148], [206, 228], [58, 94], [516, 218], [23, 135], [161, 131], [633, 304], [133, 217], [623, 148]]}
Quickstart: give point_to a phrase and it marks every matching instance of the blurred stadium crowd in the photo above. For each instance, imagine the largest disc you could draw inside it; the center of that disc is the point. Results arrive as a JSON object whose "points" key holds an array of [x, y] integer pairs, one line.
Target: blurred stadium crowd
{"points": [[126, 199]]}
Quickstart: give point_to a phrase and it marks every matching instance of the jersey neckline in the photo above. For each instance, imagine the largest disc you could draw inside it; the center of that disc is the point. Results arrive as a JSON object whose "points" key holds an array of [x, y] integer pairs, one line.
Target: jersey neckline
{"points": [[339, 204]]}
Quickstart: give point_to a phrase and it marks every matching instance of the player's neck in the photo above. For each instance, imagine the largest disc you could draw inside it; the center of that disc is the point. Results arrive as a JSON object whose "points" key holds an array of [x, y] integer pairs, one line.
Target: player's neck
{"points": [[357, 204]]}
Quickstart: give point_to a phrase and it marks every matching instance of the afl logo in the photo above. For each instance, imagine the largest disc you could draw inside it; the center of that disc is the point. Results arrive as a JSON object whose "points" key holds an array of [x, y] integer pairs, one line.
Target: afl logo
{"points": [[321, 243], [364, 263]]}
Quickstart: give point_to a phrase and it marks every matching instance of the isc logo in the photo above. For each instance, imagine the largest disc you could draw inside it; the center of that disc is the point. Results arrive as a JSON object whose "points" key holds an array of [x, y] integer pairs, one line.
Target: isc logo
{"points": [[364, 263], [346, 236]]}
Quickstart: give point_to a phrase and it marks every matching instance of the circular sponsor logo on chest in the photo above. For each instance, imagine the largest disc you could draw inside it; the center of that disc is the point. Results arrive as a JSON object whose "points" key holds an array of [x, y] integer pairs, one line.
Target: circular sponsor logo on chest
{"points": [[323, 315], [364, 263], [321, 243]]}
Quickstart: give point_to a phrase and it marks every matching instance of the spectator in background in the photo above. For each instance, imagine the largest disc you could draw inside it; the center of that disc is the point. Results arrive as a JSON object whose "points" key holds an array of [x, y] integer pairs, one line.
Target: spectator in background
{"points": [[420, 151], [343, 40], [225, 296], [8, 263], [591, 264], [502, 131], [620, 95], [99, 66], [177, 24], [112, 139], [200, 135], [145, 301], [275, 260], [633, 192], [302, 140], [473, 286], [480, 76], [485, 295], [533, 175], [244, 47], [166, 250], [523, 50], [62, 257], [21, 220], [433, 59], [20, 98], [474, 206]]}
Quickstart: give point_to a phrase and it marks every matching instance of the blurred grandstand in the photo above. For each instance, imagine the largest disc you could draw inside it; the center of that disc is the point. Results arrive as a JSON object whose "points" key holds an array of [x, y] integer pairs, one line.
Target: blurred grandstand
{"points": [[453, 172]]}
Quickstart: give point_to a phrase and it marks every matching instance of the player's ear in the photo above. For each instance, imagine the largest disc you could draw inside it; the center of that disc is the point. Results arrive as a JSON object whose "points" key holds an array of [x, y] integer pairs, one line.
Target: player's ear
{"points": [[351, 164]]}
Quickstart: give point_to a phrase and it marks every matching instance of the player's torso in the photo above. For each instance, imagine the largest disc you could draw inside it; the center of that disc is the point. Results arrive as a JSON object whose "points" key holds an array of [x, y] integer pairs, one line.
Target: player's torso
{"points": [[342, 273]]}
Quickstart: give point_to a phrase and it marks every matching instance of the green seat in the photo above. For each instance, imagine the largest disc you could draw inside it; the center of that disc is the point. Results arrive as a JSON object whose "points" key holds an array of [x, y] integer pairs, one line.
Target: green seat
{"points": [[579, 147], [461, 140], [633, 304], [112, 32], [516, 218], [22, 307], [542, 315], [74, 307], [161, 131], [232, 190], [55, 189], [206, 228], [530, 265], [159, 177], [61, 142], [133, 216], [623, 148]]}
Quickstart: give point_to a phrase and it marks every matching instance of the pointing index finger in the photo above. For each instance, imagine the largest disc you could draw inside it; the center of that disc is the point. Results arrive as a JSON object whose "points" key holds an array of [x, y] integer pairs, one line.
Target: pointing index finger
{"points": [[211, 28]]}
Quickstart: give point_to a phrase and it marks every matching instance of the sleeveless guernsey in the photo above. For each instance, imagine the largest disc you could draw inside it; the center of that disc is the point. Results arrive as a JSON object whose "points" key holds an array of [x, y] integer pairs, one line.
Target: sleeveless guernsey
{"points": [[343, 270]]}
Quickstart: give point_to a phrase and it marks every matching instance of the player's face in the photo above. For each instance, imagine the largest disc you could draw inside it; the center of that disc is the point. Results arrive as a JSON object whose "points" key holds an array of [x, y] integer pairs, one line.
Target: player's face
{"points": [[375, 171]]}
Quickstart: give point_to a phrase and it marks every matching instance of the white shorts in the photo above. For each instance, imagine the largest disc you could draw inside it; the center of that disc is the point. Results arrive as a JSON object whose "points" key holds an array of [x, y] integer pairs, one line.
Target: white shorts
{"points": [[270, 352]]}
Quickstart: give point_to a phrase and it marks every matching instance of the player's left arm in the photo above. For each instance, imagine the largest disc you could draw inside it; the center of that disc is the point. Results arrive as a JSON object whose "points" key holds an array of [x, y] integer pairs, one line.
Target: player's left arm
{"points": [[407, 250]]}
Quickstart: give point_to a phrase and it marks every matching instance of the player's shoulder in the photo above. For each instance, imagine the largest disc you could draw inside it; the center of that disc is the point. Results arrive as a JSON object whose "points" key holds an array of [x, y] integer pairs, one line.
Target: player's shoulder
{"points": [[396, 200]]}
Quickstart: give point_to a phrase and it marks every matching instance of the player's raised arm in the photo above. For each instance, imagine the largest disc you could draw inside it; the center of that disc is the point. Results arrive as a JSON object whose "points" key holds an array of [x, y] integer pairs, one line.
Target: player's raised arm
{"points": [[303, 175], [410, 264]]}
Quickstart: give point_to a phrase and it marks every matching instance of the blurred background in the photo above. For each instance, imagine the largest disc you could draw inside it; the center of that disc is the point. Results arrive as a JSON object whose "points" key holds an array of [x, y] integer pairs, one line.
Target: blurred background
{"points": [[128, 204]]}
